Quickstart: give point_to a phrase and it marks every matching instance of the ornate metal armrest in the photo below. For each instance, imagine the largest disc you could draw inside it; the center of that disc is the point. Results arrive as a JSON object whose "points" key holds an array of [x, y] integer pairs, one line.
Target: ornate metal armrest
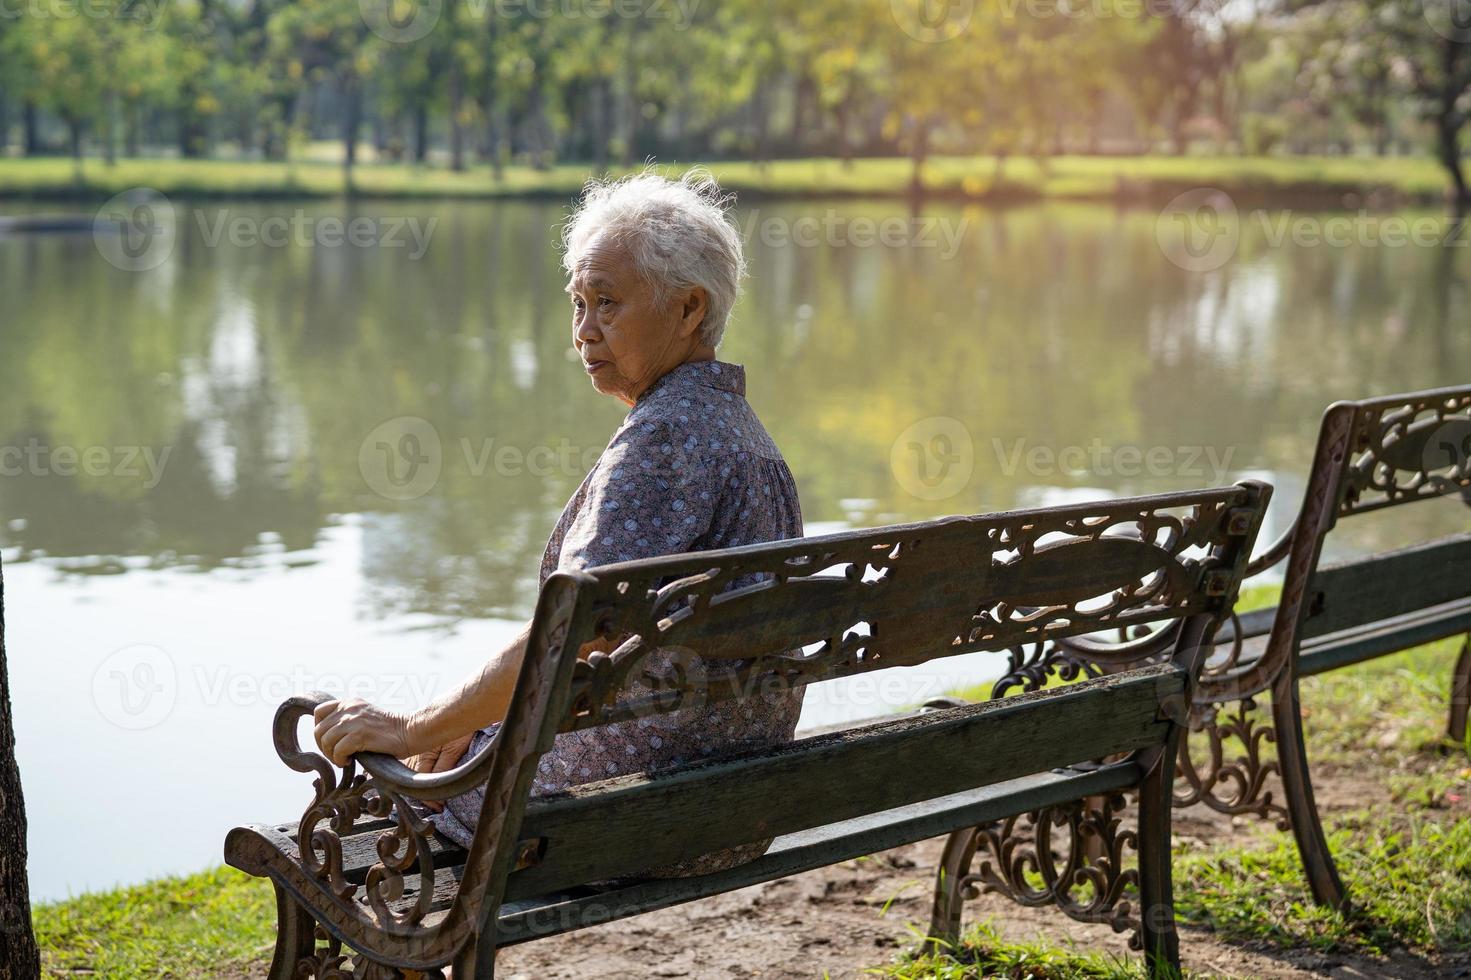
{"points": [[389, 775], [1274, 554]]}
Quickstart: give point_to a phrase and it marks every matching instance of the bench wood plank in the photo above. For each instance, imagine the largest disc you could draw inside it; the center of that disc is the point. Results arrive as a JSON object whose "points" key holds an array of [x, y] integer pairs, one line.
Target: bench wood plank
{"points": [[646, 820]]}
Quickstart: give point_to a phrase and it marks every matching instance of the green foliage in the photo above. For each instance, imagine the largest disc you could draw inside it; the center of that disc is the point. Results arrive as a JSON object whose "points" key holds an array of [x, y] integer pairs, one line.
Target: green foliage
{"points": [[597, 80]]}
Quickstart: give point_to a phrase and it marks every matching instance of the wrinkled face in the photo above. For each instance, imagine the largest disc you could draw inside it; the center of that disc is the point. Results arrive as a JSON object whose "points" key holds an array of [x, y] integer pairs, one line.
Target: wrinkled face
{"points": [[626, 336]]}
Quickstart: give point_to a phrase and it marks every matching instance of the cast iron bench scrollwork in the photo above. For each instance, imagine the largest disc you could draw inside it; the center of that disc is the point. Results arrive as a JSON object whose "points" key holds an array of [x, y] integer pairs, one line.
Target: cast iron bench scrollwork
{"points": [[366, 889]]}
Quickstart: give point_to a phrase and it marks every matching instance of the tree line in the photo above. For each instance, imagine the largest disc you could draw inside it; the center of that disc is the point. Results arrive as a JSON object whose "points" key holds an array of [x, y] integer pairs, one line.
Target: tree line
{"points": [[608, 82]]}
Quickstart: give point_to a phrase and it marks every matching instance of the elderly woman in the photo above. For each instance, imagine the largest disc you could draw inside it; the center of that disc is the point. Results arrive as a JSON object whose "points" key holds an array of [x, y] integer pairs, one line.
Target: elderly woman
{"points": [[654, 269]]}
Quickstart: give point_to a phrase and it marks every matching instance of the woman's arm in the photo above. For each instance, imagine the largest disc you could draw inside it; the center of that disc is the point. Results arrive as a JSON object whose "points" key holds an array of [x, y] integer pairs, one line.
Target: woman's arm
{"points": [[349, 726]]}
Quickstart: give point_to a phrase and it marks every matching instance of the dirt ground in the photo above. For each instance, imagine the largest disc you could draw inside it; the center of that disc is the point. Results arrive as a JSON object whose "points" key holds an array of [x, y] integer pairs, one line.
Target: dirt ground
{"points": [[837, 921]]}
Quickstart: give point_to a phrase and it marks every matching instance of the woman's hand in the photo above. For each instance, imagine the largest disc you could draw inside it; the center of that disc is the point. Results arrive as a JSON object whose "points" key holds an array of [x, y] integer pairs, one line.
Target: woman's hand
{"points": [[346, 727], [445, 757]]}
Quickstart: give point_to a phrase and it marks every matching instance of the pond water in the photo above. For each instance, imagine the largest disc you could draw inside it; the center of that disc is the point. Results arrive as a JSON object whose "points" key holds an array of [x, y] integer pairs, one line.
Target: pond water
{"points": [[201, 510]]}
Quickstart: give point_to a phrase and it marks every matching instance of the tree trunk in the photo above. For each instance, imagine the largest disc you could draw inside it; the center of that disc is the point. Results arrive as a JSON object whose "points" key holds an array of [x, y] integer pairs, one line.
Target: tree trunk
{"points": [[762, 151], [919, 149], [602, 124], [456, 131], [109, 128], [1448, 123], [1449, 151], [131, 124], [843, 117], [33, 130], [630, 105], [352, 119], [19, 959], [421, 131], [191, 135]]}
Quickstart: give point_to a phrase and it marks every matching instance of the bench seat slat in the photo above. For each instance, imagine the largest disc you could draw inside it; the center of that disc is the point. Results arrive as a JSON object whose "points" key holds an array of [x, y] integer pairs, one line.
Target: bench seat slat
{"points": [[1352, 646], [621, 826], [1370, 640], [1388, 585], [554, 913]]}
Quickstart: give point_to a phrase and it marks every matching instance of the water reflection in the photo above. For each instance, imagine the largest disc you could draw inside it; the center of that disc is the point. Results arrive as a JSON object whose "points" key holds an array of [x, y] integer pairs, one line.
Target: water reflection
{"points": [[1077, 358]]}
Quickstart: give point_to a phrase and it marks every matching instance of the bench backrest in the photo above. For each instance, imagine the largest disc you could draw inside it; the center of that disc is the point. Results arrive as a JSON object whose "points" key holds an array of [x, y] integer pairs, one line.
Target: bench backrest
{"points": [[1371, 455], [892, 596], [805, 610], [838, 605]]}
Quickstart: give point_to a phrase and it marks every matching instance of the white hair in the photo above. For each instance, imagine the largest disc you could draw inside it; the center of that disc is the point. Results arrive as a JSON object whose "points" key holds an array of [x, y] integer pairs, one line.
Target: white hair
{"points": [[678, 232]]}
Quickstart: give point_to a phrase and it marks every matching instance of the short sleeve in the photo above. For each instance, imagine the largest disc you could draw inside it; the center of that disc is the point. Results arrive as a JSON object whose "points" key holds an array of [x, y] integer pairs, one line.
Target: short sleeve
{"points": [[648, 496]]}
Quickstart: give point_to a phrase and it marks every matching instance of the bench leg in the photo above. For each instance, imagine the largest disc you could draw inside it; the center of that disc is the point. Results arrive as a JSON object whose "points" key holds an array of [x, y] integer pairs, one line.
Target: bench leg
{"points": [[1157, 935], [960, 849], [475, 961], [295, 936], [1460, 695], [1297, 784]]}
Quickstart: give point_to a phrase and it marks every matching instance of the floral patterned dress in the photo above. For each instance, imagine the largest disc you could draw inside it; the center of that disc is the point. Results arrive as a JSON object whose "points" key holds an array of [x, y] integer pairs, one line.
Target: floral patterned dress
{"points": [[690, 469]]}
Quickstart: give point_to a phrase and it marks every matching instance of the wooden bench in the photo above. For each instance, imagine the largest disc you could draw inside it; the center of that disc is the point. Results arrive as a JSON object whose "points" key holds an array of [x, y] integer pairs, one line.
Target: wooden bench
{"points": [[1371, 455], [364, 888]]}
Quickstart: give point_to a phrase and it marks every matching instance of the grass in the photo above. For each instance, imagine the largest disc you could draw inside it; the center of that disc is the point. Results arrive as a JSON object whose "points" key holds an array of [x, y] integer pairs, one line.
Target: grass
{"points": [[1290, 180], [1406, 860], [982, 953], [215, 922]]}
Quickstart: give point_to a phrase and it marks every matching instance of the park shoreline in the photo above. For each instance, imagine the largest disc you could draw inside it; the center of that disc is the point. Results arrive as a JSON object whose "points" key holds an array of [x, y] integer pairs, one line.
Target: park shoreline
{"points": [[1300, 182]]}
